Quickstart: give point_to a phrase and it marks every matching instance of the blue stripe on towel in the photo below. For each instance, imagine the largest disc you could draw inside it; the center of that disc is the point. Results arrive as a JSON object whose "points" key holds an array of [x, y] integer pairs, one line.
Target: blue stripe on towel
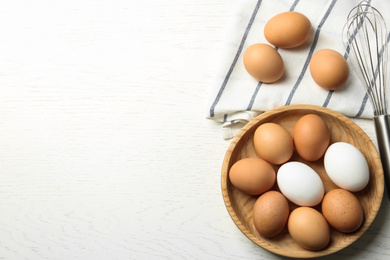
{"points": [[312, 48], [346, 54], [250, 105], [222, 88]]}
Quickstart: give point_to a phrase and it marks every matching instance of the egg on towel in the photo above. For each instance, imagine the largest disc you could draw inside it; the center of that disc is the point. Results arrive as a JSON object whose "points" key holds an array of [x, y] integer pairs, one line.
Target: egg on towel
{"points": [[263, 63], [287, 29], [329, 69]]}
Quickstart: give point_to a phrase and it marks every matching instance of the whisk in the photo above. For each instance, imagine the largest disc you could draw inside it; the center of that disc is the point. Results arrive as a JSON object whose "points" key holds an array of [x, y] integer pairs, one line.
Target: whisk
{"points": [[365, 37]]}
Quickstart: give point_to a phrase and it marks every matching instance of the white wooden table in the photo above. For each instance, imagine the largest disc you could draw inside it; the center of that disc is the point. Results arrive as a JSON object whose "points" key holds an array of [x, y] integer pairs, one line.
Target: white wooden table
{"points": [[106, 152]]}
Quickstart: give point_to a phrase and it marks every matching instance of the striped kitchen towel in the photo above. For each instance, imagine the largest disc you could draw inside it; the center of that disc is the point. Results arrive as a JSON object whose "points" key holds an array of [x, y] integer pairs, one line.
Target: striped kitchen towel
{"points": [[236, 97]]}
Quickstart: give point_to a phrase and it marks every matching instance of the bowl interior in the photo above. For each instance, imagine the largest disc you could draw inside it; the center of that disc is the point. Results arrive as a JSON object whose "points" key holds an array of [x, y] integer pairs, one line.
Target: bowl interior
{"points": [[240, 205]]}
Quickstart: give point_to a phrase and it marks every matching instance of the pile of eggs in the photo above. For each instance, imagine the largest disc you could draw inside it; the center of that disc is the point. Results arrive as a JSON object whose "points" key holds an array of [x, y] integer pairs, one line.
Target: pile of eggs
{"points": [[298, 184], [287, 30]]}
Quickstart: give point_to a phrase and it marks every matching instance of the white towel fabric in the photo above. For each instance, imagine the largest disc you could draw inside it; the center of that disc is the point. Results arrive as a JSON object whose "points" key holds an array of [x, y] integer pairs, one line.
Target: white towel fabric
{"points": [[236, 97]]}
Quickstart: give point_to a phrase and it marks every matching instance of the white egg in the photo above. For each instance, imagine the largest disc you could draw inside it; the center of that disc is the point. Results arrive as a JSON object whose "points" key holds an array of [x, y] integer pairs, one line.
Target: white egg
{"points": [[346, 166], [300, 184]]}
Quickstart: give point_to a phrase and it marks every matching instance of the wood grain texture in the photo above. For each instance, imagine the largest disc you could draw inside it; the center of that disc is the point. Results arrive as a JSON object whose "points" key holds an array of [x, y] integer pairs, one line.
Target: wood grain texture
{"points": [[105, 152]]}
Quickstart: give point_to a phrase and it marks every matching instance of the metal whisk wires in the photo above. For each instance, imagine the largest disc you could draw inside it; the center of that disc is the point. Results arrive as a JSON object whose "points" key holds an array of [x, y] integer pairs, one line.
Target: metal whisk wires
{"points": [[366, 38]]}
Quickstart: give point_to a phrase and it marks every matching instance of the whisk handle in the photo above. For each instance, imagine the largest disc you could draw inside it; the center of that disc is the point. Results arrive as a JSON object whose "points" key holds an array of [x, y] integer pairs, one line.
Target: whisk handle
{"points": [[382, 128]]}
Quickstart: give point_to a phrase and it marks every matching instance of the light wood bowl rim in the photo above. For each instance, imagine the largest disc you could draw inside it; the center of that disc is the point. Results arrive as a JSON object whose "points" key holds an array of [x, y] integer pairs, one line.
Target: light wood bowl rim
{"points": [[262, 118]]}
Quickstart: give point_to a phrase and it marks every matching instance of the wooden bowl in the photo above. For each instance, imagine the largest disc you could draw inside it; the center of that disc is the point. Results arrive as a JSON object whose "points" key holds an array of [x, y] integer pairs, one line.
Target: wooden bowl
{"points": [[240, 205]]}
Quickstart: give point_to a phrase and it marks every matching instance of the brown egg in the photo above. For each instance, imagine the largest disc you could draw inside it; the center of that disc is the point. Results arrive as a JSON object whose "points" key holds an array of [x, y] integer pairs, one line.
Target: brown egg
{"points": [[342, 210], [329, 69], [287, 30], [263, 63], [252, 175], [311, 137], [273, 143], [270, 213], [308, 228]]}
